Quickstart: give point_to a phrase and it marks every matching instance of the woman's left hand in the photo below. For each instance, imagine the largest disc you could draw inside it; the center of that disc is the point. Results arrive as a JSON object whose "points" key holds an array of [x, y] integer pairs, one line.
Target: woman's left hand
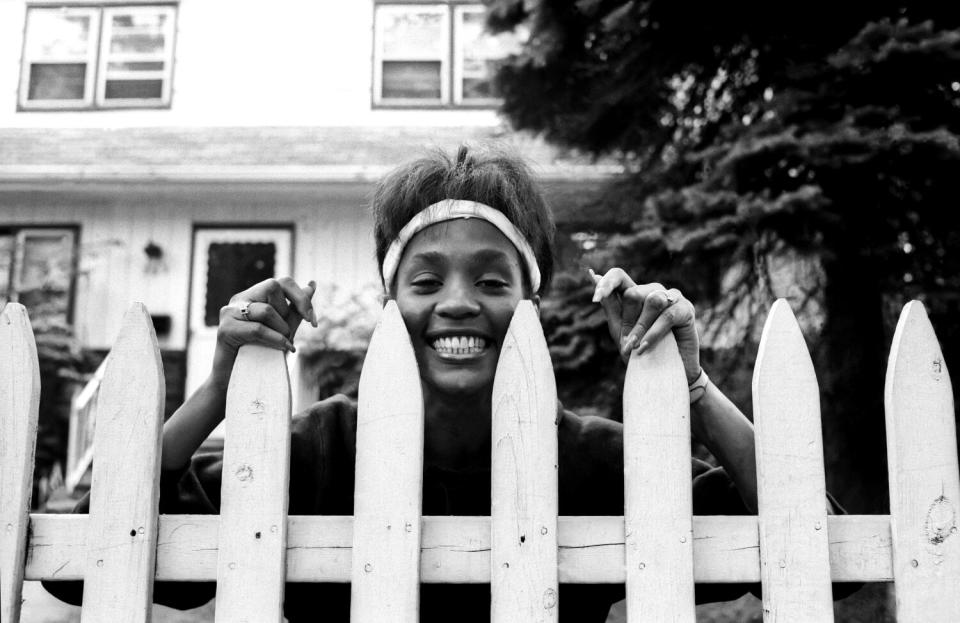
{"points": [[638, 316]]}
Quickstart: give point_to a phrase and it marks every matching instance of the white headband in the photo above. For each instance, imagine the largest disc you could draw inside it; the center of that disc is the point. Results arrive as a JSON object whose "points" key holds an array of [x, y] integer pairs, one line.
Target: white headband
{"points": [[448, 210]]}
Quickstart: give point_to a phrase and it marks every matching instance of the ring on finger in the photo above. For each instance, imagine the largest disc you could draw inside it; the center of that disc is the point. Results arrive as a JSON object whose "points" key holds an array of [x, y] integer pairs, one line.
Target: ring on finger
{"points": [[245, 310]]}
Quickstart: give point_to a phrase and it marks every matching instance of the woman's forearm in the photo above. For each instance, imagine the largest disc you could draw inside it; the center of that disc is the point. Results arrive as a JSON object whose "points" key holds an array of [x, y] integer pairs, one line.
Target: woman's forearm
{"points": [[728, 435], [192, 423]]}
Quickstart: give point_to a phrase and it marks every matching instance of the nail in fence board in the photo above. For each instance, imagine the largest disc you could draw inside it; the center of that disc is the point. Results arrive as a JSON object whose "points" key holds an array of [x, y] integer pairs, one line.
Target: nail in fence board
{"points": [[388, 493], [251, 566], [524, 481], [924, 479], [124, 493], [791, 490], [658, 499], [19, 411]]}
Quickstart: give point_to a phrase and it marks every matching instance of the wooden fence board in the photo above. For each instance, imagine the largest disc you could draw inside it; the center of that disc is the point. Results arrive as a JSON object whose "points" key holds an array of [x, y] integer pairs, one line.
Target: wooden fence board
{"points": [[524, 480], [388, 494], [19, 411], [791, 490], [254, 489], [658, 499], [122, 536], [457, 549], [924, 477]]}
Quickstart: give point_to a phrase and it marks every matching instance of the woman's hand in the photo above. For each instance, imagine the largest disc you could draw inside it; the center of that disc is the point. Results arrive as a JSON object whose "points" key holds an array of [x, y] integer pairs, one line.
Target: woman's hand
{"points": [[274, 309], [640, 315]]}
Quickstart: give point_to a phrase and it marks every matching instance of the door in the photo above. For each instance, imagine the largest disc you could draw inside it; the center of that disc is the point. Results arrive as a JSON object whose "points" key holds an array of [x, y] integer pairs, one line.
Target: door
{"points": [[226, 261]]}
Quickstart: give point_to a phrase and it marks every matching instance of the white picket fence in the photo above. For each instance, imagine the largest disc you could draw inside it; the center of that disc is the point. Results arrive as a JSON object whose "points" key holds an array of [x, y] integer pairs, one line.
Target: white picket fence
{"points": [[524, 550]]}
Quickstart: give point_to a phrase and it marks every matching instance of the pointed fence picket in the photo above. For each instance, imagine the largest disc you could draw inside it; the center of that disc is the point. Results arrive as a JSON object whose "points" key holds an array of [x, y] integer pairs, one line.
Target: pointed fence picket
{"points": [[386, 549], [524, 479], [125, 489], [19, 413], [791, 490], [924, 476], [389, 485]]}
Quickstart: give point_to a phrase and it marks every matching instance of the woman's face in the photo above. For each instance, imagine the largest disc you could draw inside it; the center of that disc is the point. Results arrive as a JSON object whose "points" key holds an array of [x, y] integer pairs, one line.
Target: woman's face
{"points": [[457, 286]]}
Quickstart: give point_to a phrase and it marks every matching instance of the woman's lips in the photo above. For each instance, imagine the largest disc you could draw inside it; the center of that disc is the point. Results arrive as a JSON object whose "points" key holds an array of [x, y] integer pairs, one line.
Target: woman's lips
{"points": [[460, 346]]}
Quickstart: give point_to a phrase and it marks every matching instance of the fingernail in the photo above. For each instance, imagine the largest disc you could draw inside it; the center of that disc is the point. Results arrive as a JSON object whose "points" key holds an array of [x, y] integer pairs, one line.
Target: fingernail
{"points": [[643, 346], [290, 346], [628, 345]]}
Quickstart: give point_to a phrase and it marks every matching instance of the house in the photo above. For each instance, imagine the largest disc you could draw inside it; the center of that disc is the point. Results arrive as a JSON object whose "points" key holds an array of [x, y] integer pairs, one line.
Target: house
{"points": [[174, 151]]}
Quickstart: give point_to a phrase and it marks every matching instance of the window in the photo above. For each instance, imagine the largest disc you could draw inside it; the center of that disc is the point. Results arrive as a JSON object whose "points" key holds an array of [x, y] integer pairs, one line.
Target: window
{"points": [[97, 57], [36, 270], [436, 55]]}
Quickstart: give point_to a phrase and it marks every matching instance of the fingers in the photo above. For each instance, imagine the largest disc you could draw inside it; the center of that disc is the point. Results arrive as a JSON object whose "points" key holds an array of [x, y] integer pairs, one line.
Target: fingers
{"points": [[653, 303], [299, 297], [660, 316], [274, 309], [638, 316], [235, 331], [614, 280]]}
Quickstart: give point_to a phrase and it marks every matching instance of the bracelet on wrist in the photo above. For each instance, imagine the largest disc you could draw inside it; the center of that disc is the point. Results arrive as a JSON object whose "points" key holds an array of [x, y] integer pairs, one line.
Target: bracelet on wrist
{"points": [[698, 387]]}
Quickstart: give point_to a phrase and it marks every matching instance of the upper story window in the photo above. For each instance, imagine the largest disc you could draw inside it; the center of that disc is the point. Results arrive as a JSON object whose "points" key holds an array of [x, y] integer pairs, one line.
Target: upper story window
{"points": [[435, 54], [97, 57]]}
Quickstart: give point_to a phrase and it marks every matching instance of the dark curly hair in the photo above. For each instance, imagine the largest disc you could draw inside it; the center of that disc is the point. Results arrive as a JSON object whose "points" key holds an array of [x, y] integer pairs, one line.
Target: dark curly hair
{"points": [[490, 176]]}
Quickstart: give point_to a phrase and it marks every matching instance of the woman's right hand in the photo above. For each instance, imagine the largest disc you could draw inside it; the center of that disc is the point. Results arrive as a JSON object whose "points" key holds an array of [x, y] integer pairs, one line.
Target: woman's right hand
{"points": [[275, 308]]}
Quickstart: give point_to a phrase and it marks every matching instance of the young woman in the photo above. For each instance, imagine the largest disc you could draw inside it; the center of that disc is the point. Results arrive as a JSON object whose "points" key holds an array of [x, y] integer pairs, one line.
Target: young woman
{"points": [[459, 243]]}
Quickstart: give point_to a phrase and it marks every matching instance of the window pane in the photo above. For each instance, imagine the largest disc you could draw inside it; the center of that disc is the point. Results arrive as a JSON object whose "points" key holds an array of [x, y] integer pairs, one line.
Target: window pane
{"points": [[412, 34], [233, 267], [480, 53], [138, 33], [411, 79], [136, 66], [43, 282], [55, 34], [60, 81], [134, 89]]}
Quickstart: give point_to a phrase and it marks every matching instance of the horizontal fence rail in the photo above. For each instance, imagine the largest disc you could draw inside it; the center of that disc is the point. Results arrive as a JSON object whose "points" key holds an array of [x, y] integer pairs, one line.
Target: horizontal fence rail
{"points": [[523, 550]]}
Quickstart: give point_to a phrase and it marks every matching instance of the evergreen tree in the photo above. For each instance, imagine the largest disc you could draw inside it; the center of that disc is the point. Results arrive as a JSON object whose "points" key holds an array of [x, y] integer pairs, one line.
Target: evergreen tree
{"points": [[757, 136]]}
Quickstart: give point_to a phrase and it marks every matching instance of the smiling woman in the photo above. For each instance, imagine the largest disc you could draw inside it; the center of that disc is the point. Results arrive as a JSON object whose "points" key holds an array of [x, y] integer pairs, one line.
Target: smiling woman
{"points": [[460, 242]]}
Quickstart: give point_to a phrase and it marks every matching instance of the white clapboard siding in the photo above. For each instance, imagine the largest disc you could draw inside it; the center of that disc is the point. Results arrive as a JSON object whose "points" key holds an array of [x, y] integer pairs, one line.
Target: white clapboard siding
{"points": [[19, 411], [924, 478], [658, 499], [388, 494], [122, 532], [791, 490], [456, 550], [524, 480], [254, 489]]}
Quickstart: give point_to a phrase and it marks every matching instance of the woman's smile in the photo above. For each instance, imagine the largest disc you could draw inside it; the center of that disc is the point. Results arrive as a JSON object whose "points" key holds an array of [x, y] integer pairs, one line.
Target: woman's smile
{"points": [[460, 347]]}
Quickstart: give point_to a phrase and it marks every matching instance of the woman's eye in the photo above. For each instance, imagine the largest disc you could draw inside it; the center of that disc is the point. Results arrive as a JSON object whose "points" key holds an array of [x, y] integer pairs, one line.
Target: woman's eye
{"points": [[492, 283], [425, 282]]}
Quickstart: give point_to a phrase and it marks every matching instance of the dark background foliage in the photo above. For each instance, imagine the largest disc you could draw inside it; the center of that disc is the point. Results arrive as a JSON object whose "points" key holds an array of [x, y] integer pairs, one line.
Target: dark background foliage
{"points": [[756, 136]]}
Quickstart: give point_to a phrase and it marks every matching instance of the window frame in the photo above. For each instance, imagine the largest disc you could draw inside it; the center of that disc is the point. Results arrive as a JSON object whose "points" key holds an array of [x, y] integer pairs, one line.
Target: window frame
{"points": [[98, 55], [451, 77]]}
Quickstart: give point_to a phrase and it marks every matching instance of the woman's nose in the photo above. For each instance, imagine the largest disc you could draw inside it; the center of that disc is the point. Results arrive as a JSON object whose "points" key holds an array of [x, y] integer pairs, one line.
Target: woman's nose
{"points": [[457, 302]]}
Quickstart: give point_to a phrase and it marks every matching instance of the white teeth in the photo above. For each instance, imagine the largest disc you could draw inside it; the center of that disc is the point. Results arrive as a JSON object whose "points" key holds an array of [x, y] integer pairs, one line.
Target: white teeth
{"points": [[459, 345]]}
